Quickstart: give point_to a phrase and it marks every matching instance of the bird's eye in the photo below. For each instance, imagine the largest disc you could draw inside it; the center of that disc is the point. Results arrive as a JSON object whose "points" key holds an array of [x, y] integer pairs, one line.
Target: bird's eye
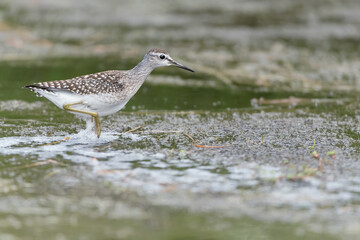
{"points": [[162, 56]]}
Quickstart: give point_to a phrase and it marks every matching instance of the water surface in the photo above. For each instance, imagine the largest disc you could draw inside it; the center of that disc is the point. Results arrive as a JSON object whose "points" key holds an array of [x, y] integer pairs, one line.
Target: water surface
{"points": [[275, 87]]}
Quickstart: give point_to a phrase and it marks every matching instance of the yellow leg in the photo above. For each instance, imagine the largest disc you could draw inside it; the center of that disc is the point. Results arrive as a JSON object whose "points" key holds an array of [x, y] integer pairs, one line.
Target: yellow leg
{"points": [[94, 116]]}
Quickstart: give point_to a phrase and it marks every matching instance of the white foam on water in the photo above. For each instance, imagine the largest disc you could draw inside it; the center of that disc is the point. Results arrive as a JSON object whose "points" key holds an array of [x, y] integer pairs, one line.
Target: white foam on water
{"points": [[9, 145], [78, 147], [133, 137]]}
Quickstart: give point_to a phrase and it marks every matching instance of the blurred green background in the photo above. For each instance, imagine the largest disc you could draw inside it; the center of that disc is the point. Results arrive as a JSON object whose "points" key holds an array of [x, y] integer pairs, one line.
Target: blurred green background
{"points": [[274, 79]]}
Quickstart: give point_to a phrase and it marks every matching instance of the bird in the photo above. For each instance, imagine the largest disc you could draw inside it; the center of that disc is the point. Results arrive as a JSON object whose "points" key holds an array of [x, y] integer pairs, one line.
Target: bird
{"points": [[102, 93]]}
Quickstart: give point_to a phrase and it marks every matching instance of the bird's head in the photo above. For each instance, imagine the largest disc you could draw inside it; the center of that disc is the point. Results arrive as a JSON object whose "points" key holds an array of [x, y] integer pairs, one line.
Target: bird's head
{"points": [[161, 58]]}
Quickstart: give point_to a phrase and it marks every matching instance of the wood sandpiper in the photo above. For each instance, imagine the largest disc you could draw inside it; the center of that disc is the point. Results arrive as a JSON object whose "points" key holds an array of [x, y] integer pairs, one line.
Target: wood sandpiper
{"points": [[102, 93]]}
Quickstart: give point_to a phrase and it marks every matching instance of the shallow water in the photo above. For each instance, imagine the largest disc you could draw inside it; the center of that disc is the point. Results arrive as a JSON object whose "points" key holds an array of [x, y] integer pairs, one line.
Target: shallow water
{"points": [[268, 95], [265, 166]]}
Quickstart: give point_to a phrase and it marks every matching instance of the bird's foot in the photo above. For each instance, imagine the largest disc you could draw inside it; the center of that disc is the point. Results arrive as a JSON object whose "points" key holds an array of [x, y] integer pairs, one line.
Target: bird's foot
{"points": [[97, 125]]}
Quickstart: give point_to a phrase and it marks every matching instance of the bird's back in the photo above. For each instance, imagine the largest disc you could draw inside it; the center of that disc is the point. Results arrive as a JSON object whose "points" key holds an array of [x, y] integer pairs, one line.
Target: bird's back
{"points": [[111, 81]]}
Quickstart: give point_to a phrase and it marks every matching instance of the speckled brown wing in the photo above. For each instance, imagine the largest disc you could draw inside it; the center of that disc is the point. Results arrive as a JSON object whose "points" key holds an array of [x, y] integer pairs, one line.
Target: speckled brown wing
{"points": [[101, 82]]}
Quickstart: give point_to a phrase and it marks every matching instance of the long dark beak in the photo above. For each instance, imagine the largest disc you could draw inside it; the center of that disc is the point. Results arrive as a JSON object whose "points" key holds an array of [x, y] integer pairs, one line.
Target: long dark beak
{"points": [[180, 65]]}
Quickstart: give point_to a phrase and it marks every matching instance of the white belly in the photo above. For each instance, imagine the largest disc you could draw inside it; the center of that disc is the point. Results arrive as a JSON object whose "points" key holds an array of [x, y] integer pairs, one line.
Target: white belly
{"points": [[101, 104]]}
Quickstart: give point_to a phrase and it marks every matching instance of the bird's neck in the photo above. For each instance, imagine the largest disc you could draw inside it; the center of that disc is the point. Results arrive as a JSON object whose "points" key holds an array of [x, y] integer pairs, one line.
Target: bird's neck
{"points": [[137, 76], [142, 70]]}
